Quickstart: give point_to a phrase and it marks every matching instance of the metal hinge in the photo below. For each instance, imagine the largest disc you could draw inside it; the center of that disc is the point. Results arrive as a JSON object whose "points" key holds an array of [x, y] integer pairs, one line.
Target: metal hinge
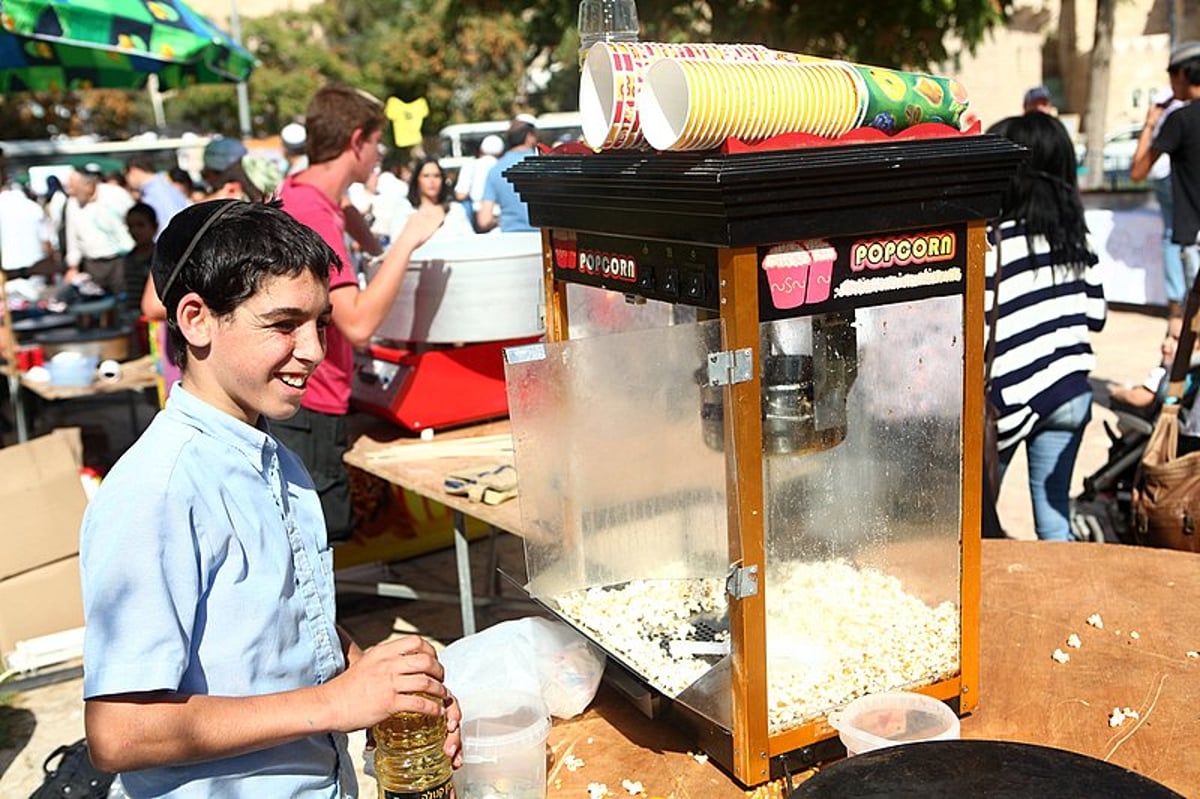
{"points": [[726, 368], [742, 581]]}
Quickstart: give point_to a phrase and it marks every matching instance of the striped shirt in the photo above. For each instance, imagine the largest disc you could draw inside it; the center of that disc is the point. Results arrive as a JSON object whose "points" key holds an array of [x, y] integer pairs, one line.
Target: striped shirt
{"points": [[1043, 354]]}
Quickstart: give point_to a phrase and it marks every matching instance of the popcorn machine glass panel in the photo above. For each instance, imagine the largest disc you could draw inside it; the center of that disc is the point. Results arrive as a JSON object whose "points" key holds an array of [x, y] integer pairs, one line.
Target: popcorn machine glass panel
{"points": [[862, 537], [621, 486]]}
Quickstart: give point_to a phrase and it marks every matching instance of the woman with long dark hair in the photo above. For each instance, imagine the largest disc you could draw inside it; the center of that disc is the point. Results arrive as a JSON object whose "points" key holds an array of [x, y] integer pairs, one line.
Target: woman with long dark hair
{"points": [[1050, 300], [430, 193]]}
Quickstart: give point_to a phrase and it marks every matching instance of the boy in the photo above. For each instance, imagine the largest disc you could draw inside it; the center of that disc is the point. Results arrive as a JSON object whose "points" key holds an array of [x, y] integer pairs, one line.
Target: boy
{"points": [[213, 665]]}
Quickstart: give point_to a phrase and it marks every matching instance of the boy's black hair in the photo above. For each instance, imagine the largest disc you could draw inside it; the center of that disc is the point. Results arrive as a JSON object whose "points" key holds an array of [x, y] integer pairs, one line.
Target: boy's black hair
{"points": [[1044, 192], [223, 250], [145, 210]]}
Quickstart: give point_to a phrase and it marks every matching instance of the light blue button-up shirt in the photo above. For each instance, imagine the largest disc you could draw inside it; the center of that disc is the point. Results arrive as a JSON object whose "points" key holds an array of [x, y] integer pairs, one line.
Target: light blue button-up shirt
{"points": [[206, 570]]}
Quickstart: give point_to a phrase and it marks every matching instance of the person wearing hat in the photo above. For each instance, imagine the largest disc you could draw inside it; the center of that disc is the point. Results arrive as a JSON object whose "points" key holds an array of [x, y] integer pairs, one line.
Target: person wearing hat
{"points": [[96, 236], [472, 178], [1179, 138], [1038, 99], [294, 137], [219, 155], [501, 206]]}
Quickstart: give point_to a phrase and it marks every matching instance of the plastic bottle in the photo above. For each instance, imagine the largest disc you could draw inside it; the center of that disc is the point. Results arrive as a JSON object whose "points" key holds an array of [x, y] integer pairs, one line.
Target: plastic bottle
{"points": [[409, 761], [606, 21]]}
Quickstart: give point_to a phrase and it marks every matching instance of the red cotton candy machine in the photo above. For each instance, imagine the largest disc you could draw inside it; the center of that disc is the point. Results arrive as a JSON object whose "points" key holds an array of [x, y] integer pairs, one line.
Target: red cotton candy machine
{"points": [[437, 360]]}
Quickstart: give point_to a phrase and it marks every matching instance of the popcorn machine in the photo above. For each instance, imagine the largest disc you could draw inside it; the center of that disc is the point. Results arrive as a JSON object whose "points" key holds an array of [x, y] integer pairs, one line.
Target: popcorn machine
{"points": [[768, 504]]}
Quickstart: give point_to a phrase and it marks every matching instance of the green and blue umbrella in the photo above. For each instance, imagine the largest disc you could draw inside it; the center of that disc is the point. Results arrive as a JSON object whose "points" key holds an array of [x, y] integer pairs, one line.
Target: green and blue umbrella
{"points": [[57, 45]]}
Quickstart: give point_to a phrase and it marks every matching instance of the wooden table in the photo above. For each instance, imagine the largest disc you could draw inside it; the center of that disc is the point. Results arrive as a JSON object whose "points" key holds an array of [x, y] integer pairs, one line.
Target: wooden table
{"points": [[136, 376], [1035, 594], [421, 466]]}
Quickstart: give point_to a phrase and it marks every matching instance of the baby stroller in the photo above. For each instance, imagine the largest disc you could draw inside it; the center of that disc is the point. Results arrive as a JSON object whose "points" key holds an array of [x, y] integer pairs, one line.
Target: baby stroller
{"points": [[1102, 511]]}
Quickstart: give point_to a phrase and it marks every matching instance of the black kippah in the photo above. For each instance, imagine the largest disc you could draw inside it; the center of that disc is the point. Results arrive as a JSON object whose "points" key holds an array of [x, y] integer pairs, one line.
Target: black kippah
{"points": [[192, 222]]}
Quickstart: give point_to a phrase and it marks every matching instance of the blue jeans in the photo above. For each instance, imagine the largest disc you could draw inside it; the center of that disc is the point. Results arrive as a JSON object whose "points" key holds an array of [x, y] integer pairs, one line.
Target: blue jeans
{"points": [[1172, 260], [1051, 449]]}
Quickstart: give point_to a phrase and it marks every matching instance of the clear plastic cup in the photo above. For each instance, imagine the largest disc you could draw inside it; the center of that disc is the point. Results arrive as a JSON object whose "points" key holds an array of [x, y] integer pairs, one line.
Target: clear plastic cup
{"points": [[887, 719]]}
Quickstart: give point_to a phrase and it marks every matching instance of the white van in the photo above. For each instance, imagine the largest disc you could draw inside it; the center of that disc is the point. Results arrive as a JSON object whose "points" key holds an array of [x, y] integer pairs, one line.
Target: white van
{"points": [[460, 142]]}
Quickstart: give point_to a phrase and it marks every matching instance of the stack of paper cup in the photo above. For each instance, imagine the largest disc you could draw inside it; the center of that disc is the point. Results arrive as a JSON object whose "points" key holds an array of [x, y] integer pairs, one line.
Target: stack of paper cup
{"points": [[613, 76], [697, 105]]}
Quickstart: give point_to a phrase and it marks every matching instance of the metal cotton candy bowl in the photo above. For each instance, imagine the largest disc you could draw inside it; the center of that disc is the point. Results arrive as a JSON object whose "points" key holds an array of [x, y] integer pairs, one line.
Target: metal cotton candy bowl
{"points": [[469, 289]]}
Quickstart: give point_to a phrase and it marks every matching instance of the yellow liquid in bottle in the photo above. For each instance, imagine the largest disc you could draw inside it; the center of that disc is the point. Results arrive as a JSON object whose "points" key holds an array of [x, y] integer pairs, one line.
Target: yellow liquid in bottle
{"points": [[409, 761]]}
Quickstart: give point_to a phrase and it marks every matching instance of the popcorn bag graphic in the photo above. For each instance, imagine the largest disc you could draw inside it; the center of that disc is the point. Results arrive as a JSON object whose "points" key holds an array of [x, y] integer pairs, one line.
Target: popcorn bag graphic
{"points": [[800, 272]]}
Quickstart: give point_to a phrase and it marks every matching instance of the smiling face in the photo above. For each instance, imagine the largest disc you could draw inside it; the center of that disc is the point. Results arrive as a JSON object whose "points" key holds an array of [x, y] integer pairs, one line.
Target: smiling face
{"points": [[257, 360]]}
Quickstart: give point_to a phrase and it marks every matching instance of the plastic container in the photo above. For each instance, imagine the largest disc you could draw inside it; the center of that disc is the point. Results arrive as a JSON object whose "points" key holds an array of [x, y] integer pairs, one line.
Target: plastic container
{"points": [[504, 746], [72, 369], [887, 719]]}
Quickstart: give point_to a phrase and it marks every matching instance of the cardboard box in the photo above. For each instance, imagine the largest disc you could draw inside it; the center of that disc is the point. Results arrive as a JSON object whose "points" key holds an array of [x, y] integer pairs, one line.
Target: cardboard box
{"points": [[43, 502], [39, 602]]}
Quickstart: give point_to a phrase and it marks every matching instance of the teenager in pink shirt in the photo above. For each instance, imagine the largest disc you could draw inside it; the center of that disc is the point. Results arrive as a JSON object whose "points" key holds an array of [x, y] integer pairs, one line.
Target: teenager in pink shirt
{"points": [[344, 127]]}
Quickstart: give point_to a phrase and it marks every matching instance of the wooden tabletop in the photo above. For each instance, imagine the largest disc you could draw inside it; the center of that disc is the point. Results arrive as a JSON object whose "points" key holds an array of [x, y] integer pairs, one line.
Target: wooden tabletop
{"points": [[135, 375], [1035, 595], [422, 466]]}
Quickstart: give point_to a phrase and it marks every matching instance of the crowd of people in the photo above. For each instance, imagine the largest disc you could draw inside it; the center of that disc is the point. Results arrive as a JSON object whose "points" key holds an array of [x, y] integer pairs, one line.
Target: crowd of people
{"points": [[82, 234], [213, 661]]}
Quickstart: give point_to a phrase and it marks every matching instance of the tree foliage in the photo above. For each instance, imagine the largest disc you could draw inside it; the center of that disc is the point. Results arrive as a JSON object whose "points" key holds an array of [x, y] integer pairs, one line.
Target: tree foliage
{"points": [[486, 59]]}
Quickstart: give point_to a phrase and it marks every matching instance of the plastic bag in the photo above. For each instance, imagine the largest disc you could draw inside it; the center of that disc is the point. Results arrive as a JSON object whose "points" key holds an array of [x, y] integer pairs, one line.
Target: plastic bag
{"points": [[532, 655]]}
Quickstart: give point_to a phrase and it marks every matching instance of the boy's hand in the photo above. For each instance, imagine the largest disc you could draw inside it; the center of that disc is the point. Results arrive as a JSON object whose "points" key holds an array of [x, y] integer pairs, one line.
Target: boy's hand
{"points": [[421, 224], [385, 680]]}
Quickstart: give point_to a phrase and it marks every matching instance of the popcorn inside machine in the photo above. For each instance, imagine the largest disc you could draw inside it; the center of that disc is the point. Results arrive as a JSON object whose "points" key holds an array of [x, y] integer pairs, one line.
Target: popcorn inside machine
{"points": [[750, 458]]}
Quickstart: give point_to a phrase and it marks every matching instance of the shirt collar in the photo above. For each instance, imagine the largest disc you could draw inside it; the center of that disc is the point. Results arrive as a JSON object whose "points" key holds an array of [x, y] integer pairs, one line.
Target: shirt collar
{"points": [[253, 441]]}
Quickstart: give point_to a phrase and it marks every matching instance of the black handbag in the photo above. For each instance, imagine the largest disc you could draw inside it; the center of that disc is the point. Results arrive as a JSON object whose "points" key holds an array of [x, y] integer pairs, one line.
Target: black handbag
{"points": [[73, 776]]}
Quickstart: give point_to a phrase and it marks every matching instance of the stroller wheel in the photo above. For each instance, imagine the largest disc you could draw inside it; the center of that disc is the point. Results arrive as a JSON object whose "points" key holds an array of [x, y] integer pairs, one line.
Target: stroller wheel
{"points": [[1092, 520]]}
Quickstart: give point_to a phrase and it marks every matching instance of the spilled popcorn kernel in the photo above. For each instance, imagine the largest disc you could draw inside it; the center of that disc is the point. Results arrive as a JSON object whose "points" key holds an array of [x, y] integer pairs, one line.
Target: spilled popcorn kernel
{"points": [[1073, 641], [633, 787], [1116, 718], [1096, 621], [1135, 635], [1060, 656], [1193, 654], [572, 762], [699, 757], [597, 790]]}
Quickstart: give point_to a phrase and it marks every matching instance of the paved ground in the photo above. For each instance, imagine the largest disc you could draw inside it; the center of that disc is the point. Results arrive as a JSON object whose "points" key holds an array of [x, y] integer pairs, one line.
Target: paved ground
{"points": [[41, 719]]}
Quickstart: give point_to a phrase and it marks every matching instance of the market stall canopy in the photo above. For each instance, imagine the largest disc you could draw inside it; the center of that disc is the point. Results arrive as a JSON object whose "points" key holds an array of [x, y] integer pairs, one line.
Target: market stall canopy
{"points": [[53, 45]]}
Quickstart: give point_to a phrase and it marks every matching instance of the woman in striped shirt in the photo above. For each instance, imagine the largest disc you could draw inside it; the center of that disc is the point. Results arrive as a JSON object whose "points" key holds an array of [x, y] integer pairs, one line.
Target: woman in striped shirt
{"points": [[1050, 299]]}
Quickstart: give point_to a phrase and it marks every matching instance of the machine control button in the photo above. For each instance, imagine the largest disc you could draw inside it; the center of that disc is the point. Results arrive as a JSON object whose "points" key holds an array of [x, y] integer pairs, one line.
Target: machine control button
{"points": [[645, 276], [693, 285], [669, 281]]}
